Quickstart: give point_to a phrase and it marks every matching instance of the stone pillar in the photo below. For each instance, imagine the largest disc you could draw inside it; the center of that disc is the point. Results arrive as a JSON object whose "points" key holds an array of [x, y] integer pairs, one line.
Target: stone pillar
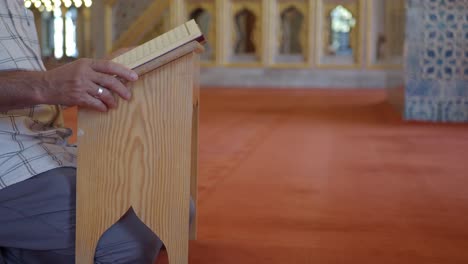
{"points": [[436, 61]]}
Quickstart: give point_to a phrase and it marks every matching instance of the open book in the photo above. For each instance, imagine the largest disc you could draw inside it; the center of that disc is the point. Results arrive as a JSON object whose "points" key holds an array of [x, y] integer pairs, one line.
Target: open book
{"points": [[161, 45]]}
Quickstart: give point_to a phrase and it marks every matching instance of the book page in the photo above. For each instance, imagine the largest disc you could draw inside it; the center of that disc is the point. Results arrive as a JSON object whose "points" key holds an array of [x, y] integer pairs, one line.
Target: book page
{"points": [[160, 45]]}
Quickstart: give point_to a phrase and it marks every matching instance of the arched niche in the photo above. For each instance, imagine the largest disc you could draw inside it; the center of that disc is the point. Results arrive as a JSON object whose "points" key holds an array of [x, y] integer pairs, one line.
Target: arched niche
{"points": [[292, 32], [204, 19], [244, 22], [244, 32], [292, 23]]}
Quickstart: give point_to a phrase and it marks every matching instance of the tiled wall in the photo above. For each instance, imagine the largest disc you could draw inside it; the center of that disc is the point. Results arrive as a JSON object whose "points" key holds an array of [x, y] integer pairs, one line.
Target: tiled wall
{"points": [[437, 60]]}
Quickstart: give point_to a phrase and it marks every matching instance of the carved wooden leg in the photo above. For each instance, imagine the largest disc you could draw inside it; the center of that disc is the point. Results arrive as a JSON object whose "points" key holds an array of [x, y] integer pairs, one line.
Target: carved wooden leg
{"points": [[194, 172], [177, 255], [94, 217], [171, 227], [194, 145]]}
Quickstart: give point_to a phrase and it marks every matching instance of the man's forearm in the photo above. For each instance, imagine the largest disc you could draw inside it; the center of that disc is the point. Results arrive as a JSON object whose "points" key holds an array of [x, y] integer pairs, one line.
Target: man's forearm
{"points": [[21, 89], [85, 83]]}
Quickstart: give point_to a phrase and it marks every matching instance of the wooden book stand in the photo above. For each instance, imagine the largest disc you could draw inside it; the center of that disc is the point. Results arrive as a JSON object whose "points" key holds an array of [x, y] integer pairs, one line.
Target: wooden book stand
{"points": [[142, 155]]}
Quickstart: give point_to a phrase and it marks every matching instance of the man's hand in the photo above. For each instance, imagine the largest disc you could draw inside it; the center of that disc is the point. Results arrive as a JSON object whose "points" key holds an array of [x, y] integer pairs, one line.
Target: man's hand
{"points": [[78, 83]]}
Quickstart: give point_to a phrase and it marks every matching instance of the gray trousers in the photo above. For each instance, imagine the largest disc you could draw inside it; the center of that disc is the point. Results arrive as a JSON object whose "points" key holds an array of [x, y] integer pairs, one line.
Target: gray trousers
{"points": [[37, 226]]}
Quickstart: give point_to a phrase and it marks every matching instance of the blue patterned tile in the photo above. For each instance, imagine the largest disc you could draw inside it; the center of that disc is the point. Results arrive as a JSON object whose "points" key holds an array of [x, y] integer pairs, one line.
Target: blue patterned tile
{"points": [[436, 65], [436, 110], [439, 62], [421, 109], [415, 3], [455, 110], [423, 88], [456, 88]]}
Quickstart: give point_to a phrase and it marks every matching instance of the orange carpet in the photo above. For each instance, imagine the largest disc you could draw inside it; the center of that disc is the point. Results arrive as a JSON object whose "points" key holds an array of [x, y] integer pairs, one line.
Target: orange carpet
{"points": [[315, 176]]}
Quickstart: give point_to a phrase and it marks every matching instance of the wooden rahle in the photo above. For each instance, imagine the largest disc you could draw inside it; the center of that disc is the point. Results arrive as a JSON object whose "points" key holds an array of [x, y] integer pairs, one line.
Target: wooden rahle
{"points": [[142, 155]]}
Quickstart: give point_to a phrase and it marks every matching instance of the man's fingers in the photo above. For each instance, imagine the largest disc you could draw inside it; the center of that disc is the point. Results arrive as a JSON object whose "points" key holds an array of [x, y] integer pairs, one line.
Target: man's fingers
{"points": [[105, 96], [112, 68], [93, 103], [111, 83]]}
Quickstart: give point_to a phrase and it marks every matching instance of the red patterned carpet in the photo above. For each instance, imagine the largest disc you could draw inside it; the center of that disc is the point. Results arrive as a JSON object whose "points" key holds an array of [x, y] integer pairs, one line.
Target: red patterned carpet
{"points": [[315, 176]]}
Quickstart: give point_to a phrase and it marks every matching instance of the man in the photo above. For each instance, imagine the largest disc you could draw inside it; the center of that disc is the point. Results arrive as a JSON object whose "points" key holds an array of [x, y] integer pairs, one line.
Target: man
{"points": [[37, 167]]}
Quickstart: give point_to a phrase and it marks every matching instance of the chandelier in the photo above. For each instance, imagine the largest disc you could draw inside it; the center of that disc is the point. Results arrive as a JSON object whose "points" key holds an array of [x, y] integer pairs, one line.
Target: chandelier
{"points": [[50, 5]]}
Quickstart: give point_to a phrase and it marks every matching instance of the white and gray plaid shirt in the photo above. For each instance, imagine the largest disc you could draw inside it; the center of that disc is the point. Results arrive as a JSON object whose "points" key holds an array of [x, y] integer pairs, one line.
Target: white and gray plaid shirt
{"points": [[32, 140]]}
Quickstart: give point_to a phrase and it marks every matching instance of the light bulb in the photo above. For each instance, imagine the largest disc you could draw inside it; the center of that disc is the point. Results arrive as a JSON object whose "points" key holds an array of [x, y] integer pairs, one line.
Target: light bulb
{"points": [[78, 3]]}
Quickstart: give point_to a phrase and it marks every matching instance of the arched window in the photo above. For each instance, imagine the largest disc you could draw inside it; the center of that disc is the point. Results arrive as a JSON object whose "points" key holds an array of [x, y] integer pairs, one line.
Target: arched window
{"points": [[58, 33], [71, 49], [245, 23], [342, 22], [291, 25], [59, 36]]}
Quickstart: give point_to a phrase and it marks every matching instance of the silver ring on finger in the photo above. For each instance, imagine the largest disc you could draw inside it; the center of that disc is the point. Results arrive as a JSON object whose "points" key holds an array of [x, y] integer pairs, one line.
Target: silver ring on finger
{"points": [[100, 92]]}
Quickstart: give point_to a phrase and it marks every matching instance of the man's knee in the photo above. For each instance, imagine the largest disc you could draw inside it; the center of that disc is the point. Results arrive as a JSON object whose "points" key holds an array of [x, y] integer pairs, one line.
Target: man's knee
{"points": [[192, 211], [39, 213], [128, 241], [129, 252]]}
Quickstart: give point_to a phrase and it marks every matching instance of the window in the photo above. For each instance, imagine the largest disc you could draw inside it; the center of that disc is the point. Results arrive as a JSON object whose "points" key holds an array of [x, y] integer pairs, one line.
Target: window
{"points": [[70, 33], [59, 34], [342, 22]]}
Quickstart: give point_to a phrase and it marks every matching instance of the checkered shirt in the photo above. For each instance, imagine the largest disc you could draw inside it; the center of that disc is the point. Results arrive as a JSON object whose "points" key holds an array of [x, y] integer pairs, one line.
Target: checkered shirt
{"points": [[32, 140]]}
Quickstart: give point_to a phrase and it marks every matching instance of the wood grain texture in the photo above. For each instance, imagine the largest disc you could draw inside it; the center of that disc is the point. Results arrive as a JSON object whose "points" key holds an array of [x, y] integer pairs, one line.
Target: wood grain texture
{"points": [[139, 155], [195, 128]]}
